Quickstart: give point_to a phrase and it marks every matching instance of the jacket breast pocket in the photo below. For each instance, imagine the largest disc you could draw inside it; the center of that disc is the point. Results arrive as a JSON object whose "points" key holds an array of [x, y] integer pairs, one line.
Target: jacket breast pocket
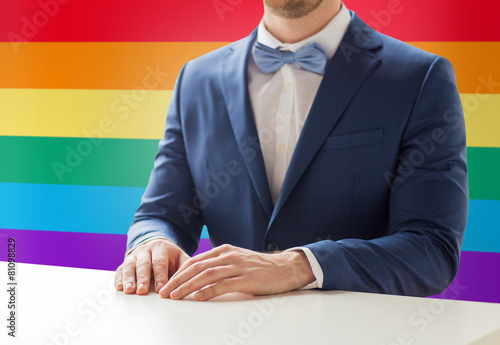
{"points": [[351, 140]]}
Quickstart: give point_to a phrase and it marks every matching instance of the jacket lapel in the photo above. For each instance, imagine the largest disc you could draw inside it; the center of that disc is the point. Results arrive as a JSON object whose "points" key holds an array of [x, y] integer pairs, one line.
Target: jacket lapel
{"points": [[349, 68], [234, 81]]}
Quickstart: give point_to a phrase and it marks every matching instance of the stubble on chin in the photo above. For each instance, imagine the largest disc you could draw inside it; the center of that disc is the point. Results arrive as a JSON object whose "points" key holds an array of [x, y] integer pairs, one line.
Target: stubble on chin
{"points": [[291, 8]]}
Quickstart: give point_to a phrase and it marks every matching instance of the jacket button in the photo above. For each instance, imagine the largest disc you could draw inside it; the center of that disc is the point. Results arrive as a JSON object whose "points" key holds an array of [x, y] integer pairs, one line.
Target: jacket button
{"points": [[272, 247]]}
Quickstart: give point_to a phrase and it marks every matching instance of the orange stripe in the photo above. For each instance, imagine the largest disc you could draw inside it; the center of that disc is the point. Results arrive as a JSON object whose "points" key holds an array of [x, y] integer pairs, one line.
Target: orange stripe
{"points": [[476, 64], [124, 65], [102, 65]]}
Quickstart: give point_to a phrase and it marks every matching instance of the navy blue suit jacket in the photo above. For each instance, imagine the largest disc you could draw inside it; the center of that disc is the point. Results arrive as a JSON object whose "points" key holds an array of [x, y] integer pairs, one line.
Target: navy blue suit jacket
{"points": [[377, 186]]}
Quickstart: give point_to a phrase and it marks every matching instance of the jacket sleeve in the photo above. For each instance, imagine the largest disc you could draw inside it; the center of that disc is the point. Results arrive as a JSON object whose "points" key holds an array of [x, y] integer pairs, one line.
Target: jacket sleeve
{"points": [[428, 204], [168, 206]]}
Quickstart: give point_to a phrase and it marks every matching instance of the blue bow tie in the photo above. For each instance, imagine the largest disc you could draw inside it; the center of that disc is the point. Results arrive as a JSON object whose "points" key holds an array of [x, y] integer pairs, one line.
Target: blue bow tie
{"points": [[312, 58]]}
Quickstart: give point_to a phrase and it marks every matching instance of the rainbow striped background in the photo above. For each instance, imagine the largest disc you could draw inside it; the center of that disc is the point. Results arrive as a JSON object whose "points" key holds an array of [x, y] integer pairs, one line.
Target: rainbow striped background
{"points": [[84, 89]]}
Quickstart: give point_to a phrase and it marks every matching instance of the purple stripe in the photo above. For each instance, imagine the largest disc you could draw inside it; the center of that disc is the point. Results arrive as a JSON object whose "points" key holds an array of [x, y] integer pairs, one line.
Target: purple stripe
{"points": [[477, 280], [203, 246], [70, 249]]}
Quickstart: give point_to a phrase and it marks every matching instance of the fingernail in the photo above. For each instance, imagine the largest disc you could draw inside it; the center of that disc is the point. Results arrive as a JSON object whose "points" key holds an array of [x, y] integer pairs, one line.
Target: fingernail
{"points": [[159, 286], [141, 286], [118, 284], [128, 285], [198, 295], [174, 294]]}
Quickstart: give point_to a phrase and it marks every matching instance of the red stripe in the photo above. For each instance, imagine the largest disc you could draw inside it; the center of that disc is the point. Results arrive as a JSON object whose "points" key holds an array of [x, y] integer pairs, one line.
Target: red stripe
{"points": [[198, 20]]}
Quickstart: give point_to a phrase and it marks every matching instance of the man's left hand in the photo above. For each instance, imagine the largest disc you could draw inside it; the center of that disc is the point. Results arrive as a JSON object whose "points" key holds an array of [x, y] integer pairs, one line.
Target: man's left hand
{"points": [[231, 269]]}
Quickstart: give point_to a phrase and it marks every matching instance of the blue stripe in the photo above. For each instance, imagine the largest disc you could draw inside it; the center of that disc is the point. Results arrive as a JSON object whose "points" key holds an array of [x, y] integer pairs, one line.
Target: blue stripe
{"points": [[69, 208], [483, 227], [109, 210]]}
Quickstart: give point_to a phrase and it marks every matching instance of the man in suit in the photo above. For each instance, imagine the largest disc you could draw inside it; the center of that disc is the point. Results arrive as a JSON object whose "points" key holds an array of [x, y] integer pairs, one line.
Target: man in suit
{"points": [[318, 152]]}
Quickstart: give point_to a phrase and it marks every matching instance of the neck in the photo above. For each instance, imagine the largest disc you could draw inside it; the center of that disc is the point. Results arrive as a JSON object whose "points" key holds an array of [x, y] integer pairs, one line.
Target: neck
{"points": [[292, 30]]}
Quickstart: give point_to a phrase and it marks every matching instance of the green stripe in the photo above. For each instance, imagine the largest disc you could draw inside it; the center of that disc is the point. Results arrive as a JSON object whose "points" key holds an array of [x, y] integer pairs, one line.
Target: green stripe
{"points": [[77, 161], [128, 162], [484, 172]]}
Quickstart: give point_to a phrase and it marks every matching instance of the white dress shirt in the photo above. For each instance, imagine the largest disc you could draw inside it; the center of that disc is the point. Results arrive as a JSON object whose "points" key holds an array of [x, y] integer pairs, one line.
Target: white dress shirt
{"points": [[281, 103]]}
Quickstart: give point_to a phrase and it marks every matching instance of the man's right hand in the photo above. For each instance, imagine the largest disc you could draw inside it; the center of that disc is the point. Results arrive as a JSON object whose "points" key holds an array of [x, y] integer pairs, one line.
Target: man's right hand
{"points": [[161, 257]]}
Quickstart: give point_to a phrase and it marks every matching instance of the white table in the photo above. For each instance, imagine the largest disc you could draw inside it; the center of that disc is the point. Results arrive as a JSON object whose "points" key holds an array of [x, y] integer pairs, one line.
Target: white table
{"points": [[63, 306]]}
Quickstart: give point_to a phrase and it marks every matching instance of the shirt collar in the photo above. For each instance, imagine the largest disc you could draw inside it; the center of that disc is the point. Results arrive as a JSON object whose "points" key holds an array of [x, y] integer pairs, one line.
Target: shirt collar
{"points": [[329, 37]]}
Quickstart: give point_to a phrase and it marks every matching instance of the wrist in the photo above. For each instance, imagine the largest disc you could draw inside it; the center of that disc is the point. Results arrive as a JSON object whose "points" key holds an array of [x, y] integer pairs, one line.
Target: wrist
{"points": [[300, 272]]}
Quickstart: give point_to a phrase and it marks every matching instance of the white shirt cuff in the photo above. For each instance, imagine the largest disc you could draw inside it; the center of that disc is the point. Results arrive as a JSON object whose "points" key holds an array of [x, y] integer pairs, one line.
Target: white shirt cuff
{"points": [[315, 267], [146, 241]]}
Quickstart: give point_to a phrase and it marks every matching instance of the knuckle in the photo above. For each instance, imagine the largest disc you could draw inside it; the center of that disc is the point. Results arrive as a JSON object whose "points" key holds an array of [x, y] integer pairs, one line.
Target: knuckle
{"points": [[159, 261], [234, 257], [130, 261], [142, 277], [174, 283], [191, 261], [198, 266], [160, 276], [224, 284], [142, 262], [139, 249], [226, 246], [211, 272], [219, 289], [209, 292], [187, 285], [159, 242]]}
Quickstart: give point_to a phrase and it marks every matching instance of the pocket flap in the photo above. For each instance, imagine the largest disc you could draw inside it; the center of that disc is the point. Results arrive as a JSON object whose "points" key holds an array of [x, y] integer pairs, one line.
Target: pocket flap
{"points": [[344, 141]]}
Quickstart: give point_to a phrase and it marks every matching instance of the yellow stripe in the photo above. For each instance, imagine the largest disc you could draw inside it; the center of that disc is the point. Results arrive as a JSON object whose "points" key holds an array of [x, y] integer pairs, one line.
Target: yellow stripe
{"points": [[74, 113], [482, 119], [141, 114]]}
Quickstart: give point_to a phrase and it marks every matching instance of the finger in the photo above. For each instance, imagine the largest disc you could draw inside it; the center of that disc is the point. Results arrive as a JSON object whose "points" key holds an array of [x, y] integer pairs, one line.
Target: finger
{"points": [[207, 277], [183, 257], [213, 253], [128, 270], [176, 261], [143, 271], [191, 261], [192, 270], [119, 279], [234, 284], [160, 261]]}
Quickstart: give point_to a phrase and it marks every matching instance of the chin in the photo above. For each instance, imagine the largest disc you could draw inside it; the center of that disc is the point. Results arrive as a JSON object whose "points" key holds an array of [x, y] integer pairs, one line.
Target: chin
{"points": [[292, 8]]}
